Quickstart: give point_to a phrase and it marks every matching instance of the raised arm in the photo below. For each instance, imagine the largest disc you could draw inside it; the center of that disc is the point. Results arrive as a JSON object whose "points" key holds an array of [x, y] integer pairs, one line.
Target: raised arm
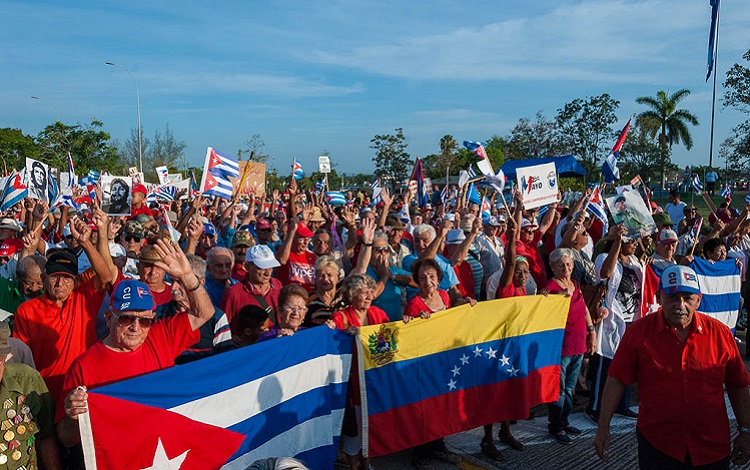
{"points": [[82, 233], [286, 248]]}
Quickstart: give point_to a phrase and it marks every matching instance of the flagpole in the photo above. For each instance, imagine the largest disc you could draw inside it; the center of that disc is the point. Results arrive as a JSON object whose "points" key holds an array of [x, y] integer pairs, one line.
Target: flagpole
{"points": [[713, 99]]}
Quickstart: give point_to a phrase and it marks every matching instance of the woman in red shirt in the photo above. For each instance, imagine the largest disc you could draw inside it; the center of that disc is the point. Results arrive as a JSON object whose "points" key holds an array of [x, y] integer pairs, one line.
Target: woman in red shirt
{"points": [[359, 292]]}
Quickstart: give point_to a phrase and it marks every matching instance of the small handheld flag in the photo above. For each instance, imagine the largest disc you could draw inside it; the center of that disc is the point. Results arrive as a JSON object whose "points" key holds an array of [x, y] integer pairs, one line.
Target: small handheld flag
{"points": [[727, 191], [610, 171], [217, 170], [297, 171], [483, 164], [697, 185]]}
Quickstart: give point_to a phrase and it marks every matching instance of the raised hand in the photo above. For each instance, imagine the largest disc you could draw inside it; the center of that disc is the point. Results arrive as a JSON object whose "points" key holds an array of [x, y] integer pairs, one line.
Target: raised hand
{"points": [[100, 219], [368, 231], [80, 230], [194, 229], [173, 260]]}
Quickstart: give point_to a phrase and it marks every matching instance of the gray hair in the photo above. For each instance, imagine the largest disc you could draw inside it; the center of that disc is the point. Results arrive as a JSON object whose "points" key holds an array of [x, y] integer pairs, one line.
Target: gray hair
{"points": [[425, 228], [327, 260], [379, 235], [198, 265], [561, 253], [353, 285], [218, 251], [27, 263], [281, 463]]}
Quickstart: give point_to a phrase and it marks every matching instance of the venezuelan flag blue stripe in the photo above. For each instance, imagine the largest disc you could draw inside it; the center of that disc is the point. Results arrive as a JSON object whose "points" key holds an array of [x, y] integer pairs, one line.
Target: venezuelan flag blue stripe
{"points": [[461, 368], [309, 344]]}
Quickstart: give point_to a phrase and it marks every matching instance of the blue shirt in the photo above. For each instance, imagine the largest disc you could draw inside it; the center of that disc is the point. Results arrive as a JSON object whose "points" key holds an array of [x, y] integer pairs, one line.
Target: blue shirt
{"points": [[390, 299], [216, 290], [449, 275]]}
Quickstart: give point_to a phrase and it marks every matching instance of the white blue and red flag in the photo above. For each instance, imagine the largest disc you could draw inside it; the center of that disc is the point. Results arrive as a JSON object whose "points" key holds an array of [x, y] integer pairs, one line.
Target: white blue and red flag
{"points": [[15, 190], [216, 173], [297, 171], [71, 172], [483, 164], [727, 191], [610, 171], [713, 36], [226, 411], [486, 209], [376, 190], [417, 175], [695, 231], [336, 198], [697, 184], [596, 208]]}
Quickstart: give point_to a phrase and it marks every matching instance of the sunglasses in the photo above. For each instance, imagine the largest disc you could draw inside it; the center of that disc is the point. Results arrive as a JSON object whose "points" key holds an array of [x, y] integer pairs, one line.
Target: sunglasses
{"points": [[380, 248], [124, 320], [129, 238]]}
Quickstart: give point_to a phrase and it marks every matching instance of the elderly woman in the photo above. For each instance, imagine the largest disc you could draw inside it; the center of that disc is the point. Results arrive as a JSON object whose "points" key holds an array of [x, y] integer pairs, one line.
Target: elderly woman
{"points": [[359, 292], [391, 279], [291, 312], [326, 299], [579, 338]]}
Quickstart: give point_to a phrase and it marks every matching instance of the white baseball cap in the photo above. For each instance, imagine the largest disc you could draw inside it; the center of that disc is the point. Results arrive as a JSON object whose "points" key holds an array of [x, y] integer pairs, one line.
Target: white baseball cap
{"points": [[262, 257]]}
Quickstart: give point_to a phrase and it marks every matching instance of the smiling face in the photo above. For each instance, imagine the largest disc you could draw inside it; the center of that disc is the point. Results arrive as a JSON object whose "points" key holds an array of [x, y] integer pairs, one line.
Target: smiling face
{"points": [[362, 298], [293, 312], [326, 278], [563, 267], [429, 280], [521, 274]]}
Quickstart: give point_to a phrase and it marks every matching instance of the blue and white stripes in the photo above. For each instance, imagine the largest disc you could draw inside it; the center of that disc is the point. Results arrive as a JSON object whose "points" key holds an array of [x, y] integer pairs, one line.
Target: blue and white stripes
{"points": [[720, 287]]}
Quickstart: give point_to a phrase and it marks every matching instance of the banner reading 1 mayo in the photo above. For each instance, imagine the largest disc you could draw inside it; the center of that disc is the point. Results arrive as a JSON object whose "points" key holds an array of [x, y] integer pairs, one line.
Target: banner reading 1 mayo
{"points": [[538, 185]]}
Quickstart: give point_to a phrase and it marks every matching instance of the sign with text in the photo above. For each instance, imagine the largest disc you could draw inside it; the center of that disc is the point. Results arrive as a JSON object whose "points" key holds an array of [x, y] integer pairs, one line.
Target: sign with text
{"points": [[324, 164], [538, 185]]}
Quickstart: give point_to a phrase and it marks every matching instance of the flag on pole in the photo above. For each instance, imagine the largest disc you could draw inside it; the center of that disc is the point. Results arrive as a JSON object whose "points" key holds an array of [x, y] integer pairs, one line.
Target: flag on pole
{"points": [[228, 410], [217, 170], [474, 195], [610, 171], [596, 208], [336, 198], [713, 36], [15, 190], [63, 200], [417, 175], [486, 209], [472, 173], [483, 164], [697, 185], [376, 190], [320, 185], [53, 190], [727, 191], [297, 170], [164, 192], [695, 231], [71, 172]]}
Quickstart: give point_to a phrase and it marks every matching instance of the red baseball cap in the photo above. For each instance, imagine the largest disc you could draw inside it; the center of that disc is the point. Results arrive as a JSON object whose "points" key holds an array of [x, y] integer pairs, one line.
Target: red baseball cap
{"points": [[139, 188], [303, 231], [262, 224], [10, 247]]}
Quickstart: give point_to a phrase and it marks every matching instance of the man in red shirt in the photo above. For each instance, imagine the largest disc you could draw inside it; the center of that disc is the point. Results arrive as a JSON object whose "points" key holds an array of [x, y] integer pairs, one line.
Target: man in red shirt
{"points": [[681, 360], [136, 345], [60, 324], [151, 272], [258, 287], [297, 261]]}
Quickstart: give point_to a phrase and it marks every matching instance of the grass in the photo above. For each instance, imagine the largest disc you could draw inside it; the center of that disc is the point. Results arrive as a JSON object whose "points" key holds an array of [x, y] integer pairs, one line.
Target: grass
{"points": [[738, 201]]}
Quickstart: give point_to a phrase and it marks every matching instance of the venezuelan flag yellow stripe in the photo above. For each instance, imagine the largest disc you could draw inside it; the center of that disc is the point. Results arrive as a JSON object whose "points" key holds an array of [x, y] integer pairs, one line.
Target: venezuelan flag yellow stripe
{"points": [[464, 325]]}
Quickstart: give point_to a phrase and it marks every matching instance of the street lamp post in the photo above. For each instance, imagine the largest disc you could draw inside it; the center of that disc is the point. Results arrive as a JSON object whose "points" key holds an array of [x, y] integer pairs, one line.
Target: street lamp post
{"points": [[138, 104]]}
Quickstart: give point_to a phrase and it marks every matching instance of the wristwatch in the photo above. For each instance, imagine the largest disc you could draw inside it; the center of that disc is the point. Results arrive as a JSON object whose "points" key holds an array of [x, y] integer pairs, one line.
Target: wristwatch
{"points": [[744, 429], [590, 328]]}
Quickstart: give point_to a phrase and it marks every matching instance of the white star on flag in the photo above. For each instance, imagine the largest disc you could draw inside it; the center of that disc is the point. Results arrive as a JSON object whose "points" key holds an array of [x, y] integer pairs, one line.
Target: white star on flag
{"points": [[464, 359], [456, 371], [513, 371], [162, 462], [451, 384], [504, 360], [491, 353], [477, 351]]}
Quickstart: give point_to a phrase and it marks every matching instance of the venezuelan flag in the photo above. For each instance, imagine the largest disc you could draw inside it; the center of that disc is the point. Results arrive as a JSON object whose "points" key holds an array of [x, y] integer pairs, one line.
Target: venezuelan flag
{"points": [[462, 368]]}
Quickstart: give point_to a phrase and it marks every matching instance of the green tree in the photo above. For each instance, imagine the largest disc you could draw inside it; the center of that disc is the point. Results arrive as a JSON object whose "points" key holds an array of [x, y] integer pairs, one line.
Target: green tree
{"points": [[736, 148], [494, 149], [392, 161], [89, 145], [666, 123], [585, 127], [533, 138], [641, 156], [163, 150], [253, 150], [436, 165], [15, 147]]}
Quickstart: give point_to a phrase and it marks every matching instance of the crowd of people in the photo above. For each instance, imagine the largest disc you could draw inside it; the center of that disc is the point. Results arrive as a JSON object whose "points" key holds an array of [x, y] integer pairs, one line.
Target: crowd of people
{"points": [[92, 299]]}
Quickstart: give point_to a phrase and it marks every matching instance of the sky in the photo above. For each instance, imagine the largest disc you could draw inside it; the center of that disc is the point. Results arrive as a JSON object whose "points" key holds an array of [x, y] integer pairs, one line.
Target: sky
{"points": [[328, 76]]}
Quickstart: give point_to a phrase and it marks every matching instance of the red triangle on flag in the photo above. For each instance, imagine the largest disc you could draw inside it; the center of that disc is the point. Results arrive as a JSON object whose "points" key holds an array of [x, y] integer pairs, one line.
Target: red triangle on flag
{"points": [[127, 435], [213, 160], [211, 182]]}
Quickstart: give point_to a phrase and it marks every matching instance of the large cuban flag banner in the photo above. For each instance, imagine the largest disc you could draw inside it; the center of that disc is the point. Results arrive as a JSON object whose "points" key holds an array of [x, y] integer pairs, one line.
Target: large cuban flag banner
{"points": [[280, 398], [463, 368]]}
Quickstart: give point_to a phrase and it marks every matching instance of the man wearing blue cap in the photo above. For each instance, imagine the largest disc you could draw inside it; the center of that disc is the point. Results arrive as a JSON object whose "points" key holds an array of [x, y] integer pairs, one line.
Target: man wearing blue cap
{"points": [[681, 360], [136, 343]]}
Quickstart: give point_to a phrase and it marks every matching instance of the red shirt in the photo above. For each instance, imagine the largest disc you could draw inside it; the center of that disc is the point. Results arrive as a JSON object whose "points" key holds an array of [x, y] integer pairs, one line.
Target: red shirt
{"points": [[100, 366], [681, 386], [57, 336], [574, 341], [239, 272], [141, 210], [416, 305], [465, 279], [299, 269], [510, 291], [534, 256], [163, 297], [243, 293]]}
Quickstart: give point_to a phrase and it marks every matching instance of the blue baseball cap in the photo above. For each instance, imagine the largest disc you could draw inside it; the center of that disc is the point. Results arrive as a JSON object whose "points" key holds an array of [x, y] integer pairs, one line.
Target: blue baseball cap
{"points": [[131, 295], [678, 278], [209, 229]]}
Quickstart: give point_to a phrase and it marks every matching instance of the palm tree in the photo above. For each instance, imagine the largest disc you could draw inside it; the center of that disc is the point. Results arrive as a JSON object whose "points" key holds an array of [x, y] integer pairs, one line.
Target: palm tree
{"points": [[666, 121]]}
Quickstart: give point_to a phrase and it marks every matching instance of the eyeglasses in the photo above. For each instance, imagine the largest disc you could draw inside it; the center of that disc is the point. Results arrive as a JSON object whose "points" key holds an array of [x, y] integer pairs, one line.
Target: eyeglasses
{"points": [[124, 320], [380, 248], [129, 238], [292, 309]]}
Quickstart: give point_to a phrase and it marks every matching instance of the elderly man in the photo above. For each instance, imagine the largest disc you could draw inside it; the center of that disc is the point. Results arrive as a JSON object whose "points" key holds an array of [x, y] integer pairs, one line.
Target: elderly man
{"points": [[151, 271], [490, 246], [241, 242], [136, 344], [219, 262], [397, 251], [30, 440], [264, 232], [60, 325], [27, 285], [296, 260], [258, 287], [666, 247], [681, 360]]}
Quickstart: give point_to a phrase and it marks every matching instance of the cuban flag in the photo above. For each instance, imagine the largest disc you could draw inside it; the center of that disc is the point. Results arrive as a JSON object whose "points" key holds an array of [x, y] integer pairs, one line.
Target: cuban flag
{"points": [[376, 190], [63, 200], [720, 285], [417, 176], [497, 182], [474, 195], [93, 176], [747, 198], [335, 198], [483, 164], [216, 173], [713, 36], [15, 190], [609, 169], [695, 231], [596, 208], [53, 190], [726, 193], [71, 172], [486, 209], [471, 172], [297, 170], [444, 195], [697, 185], [320, 185], [164, 192], [226, 411]]}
